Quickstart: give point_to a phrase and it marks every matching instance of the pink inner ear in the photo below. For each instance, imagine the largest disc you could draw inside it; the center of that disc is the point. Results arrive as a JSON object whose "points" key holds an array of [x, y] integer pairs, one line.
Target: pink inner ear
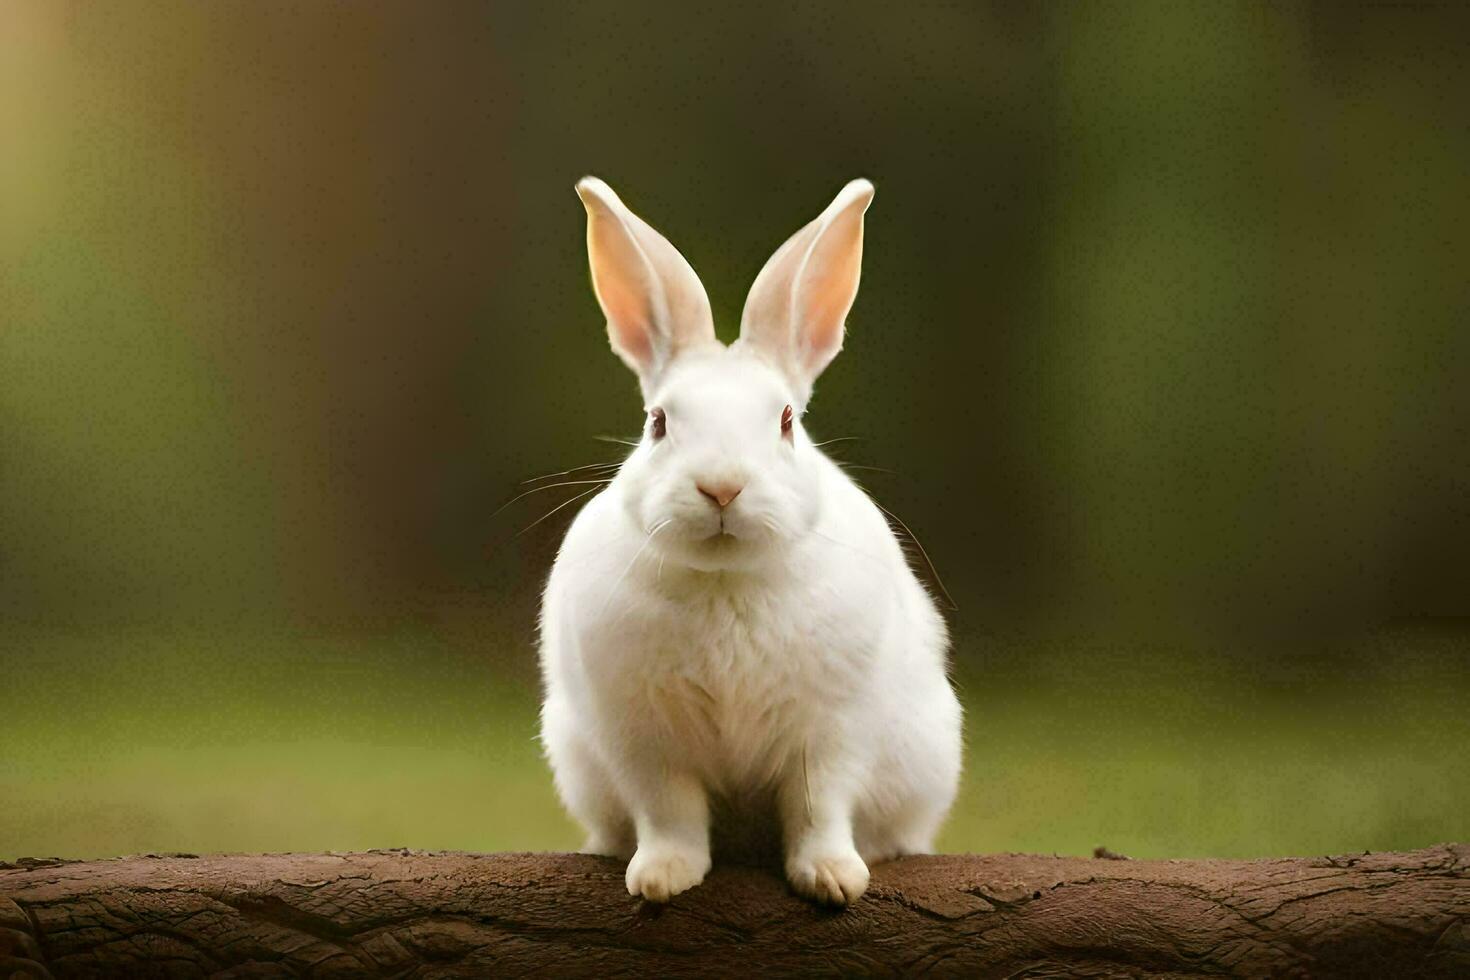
{"points": [[622, 282], [827, 291], [824, 319], [628, 321]]}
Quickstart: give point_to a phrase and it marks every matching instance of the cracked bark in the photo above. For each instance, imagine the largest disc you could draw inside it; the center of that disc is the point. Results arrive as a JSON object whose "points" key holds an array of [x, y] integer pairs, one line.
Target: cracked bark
{"points": [[409, 913]]}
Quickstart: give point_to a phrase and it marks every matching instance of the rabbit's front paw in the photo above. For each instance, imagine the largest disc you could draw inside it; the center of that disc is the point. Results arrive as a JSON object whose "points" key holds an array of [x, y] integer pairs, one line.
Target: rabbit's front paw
{"points": [[658, 872], [832, 878]]}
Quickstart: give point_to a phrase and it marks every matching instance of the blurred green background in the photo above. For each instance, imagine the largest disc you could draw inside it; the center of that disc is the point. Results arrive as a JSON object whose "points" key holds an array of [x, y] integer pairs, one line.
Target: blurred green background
{"points": [[1163, 334]]}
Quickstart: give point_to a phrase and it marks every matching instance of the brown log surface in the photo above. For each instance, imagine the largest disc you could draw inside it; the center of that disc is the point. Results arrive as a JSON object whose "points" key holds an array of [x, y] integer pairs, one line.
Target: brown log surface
{"points": [[414, 914]]}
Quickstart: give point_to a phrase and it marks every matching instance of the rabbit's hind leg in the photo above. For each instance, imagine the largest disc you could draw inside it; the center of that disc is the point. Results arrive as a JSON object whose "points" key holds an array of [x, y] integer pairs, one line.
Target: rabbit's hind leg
{"points": [[584, 786], [897, 826], [908, 833]]}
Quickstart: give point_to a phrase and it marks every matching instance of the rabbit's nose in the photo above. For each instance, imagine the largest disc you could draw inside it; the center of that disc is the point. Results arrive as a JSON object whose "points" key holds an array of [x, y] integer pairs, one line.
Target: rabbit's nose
{"points": [[721, 493]]}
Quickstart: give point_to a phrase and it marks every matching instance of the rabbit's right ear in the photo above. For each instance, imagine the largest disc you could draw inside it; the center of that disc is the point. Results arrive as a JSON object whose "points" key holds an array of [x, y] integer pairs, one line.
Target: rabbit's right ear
{"points": [[655, 304]]}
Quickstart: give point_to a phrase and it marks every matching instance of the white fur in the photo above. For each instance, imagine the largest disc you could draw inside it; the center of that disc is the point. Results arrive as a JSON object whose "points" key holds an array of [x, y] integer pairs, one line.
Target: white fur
{"points": [[778, 648]]}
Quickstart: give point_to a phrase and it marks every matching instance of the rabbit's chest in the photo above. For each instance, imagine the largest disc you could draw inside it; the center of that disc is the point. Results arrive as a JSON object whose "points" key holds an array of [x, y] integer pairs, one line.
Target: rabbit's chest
{"points": [[736, 685]]}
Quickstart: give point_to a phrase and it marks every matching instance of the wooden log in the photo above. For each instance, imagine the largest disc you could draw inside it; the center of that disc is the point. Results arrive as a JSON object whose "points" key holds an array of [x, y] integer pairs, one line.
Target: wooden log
{"points": [[410, 913]]}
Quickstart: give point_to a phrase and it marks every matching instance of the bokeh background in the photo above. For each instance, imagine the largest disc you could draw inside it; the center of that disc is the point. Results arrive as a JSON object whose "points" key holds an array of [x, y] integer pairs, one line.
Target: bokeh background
{"points": [[1162, 337]]}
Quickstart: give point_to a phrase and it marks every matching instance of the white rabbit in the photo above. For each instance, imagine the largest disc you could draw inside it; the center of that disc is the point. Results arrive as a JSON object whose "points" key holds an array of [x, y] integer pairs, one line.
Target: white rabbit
{"points": [[731, 629]]}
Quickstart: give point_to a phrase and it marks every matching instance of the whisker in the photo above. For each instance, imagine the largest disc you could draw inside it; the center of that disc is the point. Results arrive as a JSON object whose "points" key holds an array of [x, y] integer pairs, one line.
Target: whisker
{"points": [[575, 469], [806, 785], [565, 503], [618, 440], [918, 544], [777, 529], [636, 555], [862, 466], [850, 547], [548, 486], [844, 463]]}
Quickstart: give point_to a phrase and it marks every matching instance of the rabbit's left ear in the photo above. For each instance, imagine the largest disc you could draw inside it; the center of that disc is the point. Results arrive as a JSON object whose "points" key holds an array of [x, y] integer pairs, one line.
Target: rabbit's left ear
{"points": [[798, 305]]}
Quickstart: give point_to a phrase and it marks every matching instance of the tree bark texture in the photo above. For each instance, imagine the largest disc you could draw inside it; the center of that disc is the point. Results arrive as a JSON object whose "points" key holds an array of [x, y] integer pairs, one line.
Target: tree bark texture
{"points": [[413, 914]]}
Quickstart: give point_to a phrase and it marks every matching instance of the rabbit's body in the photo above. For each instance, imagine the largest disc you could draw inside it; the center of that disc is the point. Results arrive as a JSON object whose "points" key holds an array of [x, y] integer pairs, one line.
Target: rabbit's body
{"points": [[771, 659], [737, 676]]}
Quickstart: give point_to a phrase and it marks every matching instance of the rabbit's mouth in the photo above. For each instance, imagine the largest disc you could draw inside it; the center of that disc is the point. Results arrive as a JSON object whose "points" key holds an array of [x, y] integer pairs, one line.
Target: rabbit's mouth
{"points": [[721, 539], [725, 542], [720, 550]]}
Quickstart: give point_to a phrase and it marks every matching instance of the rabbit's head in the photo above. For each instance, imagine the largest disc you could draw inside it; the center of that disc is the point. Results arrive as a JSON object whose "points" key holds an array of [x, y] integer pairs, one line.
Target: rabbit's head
{"points": [[724, 475]]}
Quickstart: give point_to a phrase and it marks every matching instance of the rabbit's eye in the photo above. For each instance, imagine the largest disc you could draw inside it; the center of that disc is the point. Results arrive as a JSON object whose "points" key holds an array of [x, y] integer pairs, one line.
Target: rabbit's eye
{"points": [[660, 424], [786, 417]]}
